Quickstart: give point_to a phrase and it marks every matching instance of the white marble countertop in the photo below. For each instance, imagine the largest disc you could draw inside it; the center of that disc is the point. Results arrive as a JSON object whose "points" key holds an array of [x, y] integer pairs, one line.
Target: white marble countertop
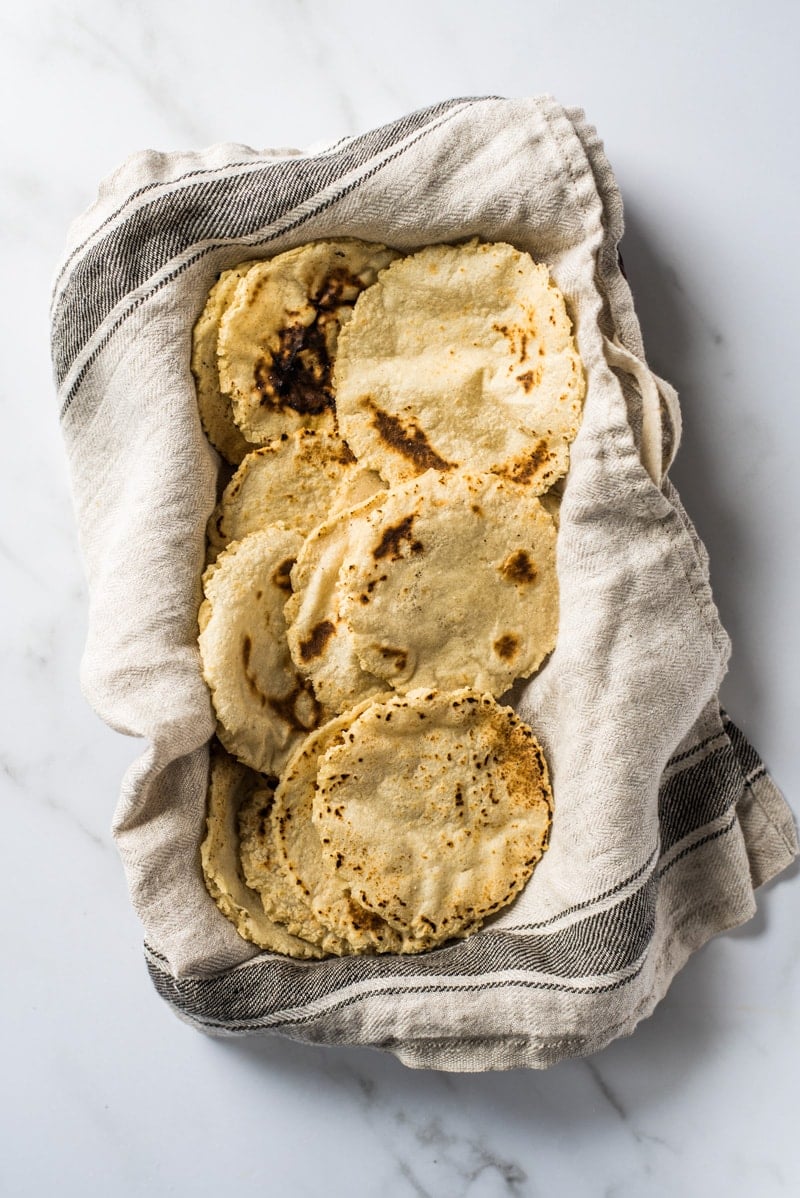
{"points": [[105, 1092]]}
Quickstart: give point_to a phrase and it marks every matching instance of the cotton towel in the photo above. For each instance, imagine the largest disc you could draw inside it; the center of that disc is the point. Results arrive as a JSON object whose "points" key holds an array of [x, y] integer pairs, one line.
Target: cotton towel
{"points": [[665, 818]]}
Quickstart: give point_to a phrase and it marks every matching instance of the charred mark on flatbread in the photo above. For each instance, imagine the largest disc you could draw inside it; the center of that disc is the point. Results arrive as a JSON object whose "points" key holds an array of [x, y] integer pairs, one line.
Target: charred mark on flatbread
{"points": [[518, 567], [250, 678], [282, 575], [530, 379], [398, 656], [298, 373], [506, 646], [264, 812], [290, 707], [371, 587], [341, 287], [364, 920], [527, 466], [408, 440], [315, 642], [392, 539], [517, 337]]}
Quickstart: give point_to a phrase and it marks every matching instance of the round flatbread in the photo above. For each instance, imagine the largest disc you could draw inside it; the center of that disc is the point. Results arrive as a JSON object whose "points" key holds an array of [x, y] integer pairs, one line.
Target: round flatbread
{"points": [[461, 356], [450, 582], [278, 336], [320, 641], [214, 407], [300, 850], [295, 480], [230, 786], [281, 898], [264, 709], [433, 810]]}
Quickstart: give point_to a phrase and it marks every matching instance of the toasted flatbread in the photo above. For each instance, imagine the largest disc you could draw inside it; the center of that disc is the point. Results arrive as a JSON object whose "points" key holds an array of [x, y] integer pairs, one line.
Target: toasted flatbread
{"points": [[295, 480], [461, 356], [231, 785], [433, 810], [278, 335], [450, 581], [264, 708], [320, 641], [299, 849], [281, 898], [214, 407]]}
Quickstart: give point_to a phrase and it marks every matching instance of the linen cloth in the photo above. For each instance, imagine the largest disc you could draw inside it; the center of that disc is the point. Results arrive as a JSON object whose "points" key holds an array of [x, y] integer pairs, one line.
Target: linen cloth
{"points": [[665, 818]]}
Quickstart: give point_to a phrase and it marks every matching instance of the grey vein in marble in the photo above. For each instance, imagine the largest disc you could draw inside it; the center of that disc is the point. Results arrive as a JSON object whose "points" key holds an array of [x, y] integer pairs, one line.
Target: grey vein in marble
{"points": [[91, 45], [434, 1157], [606, 1090], [23, 566], [21, 781], [312, 38]]}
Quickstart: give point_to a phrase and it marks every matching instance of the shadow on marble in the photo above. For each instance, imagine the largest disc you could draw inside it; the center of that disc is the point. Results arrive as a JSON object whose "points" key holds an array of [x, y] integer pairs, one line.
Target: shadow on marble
{"points": [[674, 1041], [684, 345], [445, 1130]]}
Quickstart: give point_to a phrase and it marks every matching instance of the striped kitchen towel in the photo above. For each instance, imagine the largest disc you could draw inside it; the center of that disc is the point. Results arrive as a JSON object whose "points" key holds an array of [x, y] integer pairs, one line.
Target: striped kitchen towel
{"points": [[665, 818]]}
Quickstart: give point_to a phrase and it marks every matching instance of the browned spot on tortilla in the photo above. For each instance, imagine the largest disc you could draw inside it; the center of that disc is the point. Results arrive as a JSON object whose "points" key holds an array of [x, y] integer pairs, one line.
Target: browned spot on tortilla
{"points": [[296, 374], [459, 795], [409, 440], [363, 920], [314, 644], [517, 337], [518, 567], [257, 287], [530, 379], [289, 707], [340, 288], [252, 684], [264, 812], [527, 466], [282, 575], [506, 646], [392, 539], [399, 656]]}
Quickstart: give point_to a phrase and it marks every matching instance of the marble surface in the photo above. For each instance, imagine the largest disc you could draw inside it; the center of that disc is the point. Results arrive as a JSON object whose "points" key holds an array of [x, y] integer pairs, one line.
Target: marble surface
{"points": [[104, 1090]]}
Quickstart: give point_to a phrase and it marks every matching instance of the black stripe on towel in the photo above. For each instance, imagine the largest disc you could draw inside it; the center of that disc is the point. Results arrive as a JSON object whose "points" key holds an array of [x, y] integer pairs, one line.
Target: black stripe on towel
{"points": [[598, 951], [208, 209]]}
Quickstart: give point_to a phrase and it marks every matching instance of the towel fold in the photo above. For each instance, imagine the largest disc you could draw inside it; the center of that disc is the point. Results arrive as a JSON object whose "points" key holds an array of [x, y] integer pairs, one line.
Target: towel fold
{"points": [[665, 818]]}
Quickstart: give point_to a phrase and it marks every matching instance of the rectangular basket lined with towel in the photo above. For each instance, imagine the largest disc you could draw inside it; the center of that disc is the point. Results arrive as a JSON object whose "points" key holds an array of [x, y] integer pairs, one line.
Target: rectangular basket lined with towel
{"points": [[666, 820]]}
